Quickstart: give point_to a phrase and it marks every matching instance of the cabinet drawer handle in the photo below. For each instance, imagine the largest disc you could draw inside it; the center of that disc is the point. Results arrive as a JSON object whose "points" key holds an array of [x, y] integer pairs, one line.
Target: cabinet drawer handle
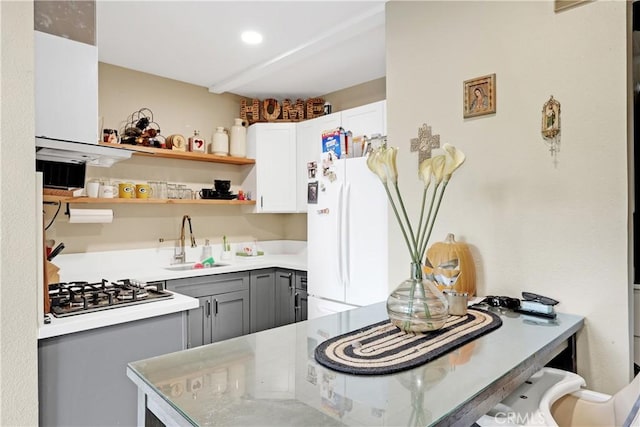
{"points": [[290, 276]]}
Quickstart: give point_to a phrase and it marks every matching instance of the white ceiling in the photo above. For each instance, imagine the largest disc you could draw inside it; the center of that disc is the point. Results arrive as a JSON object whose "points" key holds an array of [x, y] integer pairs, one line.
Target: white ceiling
{"points": [[310, 48]]}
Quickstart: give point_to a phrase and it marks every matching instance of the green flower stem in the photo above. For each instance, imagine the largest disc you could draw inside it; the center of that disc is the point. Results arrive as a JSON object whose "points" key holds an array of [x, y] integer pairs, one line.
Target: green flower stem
{"points": [[435, 214], [406, 218], [424, 200], [416, 275], [421, 240], [395, 210]]}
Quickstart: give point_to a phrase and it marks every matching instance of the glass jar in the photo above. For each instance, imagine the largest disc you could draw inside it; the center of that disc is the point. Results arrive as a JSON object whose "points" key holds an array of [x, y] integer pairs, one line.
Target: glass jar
{"points": [[162, 190], [181, 191], [172, 191]]}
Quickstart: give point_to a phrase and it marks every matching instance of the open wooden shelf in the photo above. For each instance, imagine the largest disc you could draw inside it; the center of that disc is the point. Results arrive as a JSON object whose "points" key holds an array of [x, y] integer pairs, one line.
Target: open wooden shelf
{"points": [[181, 155], [91, 200]]}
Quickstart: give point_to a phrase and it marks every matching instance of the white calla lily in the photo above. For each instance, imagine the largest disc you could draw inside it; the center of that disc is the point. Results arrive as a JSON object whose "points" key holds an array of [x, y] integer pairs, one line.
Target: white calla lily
{"points": [[374, 164], [454, 159], [425, 171], [388, 159], [382, 162], [437, 164]]}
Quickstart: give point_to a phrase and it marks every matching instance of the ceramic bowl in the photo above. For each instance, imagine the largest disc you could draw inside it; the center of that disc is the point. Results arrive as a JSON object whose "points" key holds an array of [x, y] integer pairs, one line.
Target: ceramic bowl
{"points": [[222, 186]]}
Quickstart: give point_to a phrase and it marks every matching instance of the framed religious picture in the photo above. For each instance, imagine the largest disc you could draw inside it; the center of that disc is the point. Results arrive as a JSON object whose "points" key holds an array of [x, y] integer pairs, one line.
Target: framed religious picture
{"points": [[550, 118], [479, 96]]}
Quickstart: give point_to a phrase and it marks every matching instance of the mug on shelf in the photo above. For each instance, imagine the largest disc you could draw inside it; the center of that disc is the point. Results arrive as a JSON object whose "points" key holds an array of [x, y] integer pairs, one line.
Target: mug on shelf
{"points": [[207, 193], [143, 191], [126, 190], [107, 190], [92, 188]]}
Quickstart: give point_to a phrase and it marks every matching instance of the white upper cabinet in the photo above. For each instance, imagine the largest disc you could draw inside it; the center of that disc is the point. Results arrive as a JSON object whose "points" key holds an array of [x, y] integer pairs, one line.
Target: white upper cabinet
{"points": [[279, 179], [273, 178], [309, 144], [66, 89], [366, 120]]}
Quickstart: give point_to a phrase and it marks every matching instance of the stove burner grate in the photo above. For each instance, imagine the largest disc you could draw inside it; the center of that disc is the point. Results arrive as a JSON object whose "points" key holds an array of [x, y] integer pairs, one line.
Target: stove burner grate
{"points": [[83, 297]]}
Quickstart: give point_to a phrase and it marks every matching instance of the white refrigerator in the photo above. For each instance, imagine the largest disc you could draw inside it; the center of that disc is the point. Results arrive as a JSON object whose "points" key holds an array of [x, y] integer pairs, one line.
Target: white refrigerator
{"points": [[347, 239]]}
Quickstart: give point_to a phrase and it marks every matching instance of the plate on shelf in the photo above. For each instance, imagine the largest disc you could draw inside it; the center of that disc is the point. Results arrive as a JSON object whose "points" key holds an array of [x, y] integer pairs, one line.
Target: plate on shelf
{"points": [[229, 196]]}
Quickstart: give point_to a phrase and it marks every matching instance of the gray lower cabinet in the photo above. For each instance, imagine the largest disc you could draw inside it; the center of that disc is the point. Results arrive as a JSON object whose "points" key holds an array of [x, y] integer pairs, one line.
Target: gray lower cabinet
{"points": [[224, 306], [274, 298], [262, 288], [285, 297], [82, 378], [300, 300]]}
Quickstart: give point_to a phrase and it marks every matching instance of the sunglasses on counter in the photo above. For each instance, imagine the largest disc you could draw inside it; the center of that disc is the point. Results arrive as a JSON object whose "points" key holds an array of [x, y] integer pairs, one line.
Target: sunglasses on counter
{"points": [[530, 296], [505, 302]]}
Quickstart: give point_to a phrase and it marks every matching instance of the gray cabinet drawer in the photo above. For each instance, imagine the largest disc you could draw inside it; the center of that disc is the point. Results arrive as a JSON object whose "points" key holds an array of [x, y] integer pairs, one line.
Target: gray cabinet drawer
{"points": [[208, 285]]}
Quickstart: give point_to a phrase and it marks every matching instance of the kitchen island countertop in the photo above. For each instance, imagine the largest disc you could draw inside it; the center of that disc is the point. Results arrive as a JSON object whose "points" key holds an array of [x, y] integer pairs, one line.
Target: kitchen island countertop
{"points": [[151, 265], [272, 378]]}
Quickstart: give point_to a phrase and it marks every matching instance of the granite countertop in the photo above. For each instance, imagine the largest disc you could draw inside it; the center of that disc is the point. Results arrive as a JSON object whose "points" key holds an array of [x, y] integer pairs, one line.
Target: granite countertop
{"points": [[151, 265]]}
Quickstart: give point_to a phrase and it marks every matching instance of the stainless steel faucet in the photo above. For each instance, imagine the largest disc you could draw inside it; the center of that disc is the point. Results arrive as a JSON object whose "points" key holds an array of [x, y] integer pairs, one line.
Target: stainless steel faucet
{"points": [[182, 255]]}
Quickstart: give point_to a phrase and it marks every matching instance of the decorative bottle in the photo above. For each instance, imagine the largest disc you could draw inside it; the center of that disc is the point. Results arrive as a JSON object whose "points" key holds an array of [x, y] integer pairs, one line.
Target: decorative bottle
{"points": [[196, 142], [220, 145], [238, 145]]}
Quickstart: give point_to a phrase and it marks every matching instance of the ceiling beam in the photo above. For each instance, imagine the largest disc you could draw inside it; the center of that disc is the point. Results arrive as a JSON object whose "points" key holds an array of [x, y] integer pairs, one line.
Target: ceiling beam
{"points": [[339, 33]]}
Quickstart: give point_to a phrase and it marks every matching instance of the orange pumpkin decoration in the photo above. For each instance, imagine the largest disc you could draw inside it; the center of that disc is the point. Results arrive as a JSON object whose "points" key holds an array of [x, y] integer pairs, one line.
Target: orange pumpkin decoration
{"points": [[453, 265]]}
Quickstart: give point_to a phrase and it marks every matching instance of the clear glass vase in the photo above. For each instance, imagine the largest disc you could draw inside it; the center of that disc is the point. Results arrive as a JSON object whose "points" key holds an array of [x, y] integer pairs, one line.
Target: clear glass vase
{"points": [[417, 305]]}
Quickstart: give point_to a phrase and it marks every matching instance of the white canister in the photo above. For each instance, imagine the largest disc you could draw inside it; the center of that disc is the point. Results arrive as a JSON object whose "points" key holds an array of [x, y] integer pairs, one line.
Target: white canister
{"points": [[220, 144], [238, 145]]}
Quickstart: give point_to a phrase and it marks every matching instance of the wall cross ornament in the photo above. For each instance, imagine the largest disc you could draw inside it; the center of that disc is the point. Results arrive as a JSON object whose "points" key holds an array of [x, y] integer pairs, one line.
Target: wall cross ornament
{"points": [[424, 143]]}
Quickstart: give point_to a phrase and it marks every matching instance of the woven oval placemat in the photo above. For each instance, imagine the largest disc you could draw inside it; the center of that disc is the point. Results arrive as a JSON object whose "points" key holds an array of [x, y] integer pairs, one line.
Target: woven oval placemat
{"points": [[382, 348]]}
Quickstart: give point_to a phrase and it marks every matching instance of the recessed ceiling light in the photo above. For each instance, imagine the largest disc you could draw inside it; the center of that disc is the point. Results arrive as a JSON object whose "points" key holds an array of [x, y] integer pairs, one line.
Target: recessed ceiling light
{"points": [[251, 37]]}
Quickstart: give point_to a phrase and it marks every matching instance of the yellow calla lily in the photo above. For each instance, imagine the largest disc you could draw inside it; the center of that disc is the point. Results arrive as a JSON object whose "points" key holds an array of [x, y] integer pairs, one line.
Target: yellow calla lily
{"points": [[454, 159], [425, 171]]}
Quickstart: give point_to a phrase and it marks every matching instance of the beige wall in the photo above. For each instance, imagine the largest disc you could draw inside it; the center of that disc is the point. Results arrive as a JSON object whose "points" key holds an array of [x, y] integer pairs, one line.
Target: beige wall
{"points": [[177, 108], [365, 93], [556, 230], [18, 265]]}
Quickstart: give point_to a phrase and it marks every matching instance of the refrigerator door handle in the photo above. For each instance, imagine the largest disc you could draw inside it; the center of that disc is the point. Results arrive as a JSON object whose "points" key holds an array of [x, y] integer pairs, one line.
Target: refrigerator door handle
{"points": [[346, 239], [339, 230]]}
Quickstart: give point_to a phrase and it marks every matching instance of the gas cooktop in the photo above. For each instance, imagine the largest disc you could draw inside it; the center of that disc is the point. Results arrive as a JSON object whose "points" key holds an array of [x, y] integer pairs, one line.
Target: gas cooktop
{"points": [[71, 298]]}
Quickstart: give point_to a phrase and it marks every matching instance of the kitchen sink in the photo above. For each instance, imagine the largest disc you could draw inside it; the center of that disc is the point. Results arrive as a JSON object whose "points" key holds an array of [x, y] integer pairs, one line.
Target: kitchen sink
{"points": [[189, 266]]}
